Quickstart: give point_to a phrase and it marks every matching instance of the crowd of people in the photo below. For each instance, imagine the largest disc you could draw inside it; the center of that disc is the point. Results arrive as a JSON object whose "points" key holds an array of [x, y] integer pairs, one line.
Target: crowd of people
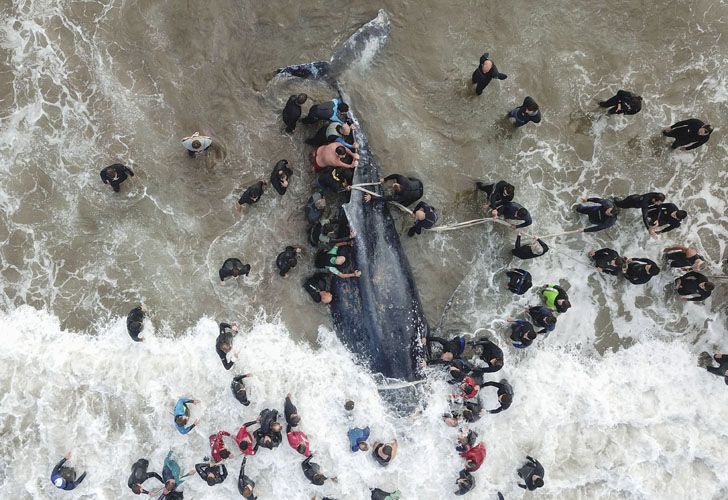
{"points": [[468, 362]]}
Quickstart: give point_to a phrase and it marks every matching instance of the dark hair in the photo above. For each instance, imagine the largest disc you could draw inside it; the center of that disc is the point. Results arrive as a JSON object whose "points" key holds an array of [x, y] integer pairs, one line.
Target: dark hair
{"points": [[318, 479], [386, 449], [470, 465], [521, 213], [498, 362], [301, 98], [509, 189], [654, 270], [659, 197], [565, 305], [243, 445], [301, 448], [136, 489], [550, 320], [681, 214], [135, 326], [340, 150], [178, 419], [345, 174], [619, 261], [224, 453], [468, 414], [349, 405], [507, 398], [615, 210], [709, 286], [196, 144], [530, 104], [295, 419], [538, 482], [708, 128], [467, 388], [343, 107]]}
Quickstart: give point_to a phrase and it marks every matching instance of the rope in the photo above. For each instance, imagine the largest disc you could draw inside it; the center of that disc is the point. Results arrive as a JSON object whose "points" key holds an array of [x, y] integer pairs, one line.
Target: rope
{"points": [[401, 207], [365, 184]]}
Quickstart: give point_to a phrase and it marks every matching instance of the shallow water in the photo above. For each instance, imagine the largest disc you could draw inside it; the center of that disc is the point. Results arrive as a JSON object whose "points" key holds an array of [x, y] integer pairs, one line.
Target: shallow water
{"points": [[86, 84]]}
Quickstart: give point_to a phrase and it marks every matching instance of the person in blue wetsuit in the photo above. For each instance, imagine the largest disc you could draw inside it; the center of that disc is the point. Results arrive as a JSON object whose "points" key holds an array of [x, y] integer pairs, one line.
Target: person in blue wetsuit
{"points": [[64, 478], [543, 317], [333, 111], [526, 112], [358, 438], [522, 333], [519, 281], [602, 213], [182, 415]]}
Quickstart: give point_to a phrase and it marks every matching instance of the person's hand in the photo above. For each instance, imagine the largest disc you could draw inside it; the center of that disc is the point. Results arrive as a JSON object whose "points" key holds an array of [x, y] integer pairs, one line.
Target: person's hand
{"points": [[668, 129], [683, 299], [348, 188], [195, 401], [357, 273], [653, 233], [234, 327], [356, 163], [284, 183], [423, 363], [381, 180], [583, 199], [352, 233], [510, 319], [367, 197], [67, 456], [581, 230], [197, 421]]}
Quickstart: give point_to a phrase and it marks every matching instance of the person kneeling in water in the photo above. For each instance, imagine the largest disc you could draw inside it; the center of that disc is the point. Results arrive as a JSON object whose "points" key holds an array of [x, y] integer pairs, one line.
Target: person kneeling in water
{"points": [[237, 386], [64, 478], [685, 257], [317, 286], [139, 474], [212, 474], [522, 333], [532, 474], [693, 287], [251, 195], [182, 415], [543, 317], [292, 111], [287, 260], [312, 471], [519, 281], [556, 298], [280, 176], [624, 102]]}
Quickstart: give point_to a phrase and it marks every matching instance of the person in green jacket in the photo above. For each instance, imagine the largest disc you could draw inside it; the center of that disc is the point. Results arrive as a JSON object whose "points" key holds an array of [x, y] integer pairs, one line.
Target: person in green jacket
{"points": [[556, 298]]}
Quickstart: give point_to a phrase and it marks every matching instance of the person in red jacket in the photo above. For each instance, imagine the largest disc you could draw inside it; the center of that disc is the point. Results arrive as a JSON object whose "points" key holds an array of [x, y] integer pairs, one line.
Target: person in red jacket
{"points": [[474, 456], [219, 452], [298, 441], [468, 388], [245, 440]]}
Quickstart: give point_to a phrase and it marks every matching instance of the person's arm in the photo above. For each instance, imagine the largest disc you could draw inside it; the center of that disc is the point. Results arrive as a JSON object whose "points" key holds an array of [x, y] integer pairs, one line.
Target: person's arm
{"points": [[698, 142], [526, 222], [200, 468], [701, 295], [536, 118], [522, 486], [491, 384], [594, 200], [223, 472], [185, 430], [80, 479], [544, 246], [57, 469], [518, 242], [682, 123], [104, 177], [674, 248], [607, 223], [128, 171], [223, 357]]}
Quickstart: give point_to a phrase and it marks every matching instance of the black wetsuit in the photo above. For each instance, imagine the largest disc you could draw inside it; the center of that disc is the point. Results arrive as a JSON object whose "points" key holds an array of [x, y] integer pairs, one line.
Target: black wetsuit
{"points": [[459, 369], [526, 252], [226, 335], [722, 367], [313, 214], [381, 461], [630, 105], [598, 214], [488, 351], [521, 114], [291, 113], [226, 271], [522, 332], [638, 200], [287, 260], [219, 470], [411, 190], [636, 272], [239, 390], [378, 494], [267, 418], [539, 315], [519, 281], [678, 259], [689, 285], [323, 136], [474, 407], [496, 193], [531, 468], [122, 171], [276, 176], [244, 481], [503, 388], [429, 221], [290, 409], [509, 211], [686, 132], [139, 474], [252, 194], [135, 323], [602, 259], [317, 283], [323, 111], [456, 346], [468, 485], [483, 79], [311, 470], [332, 179], [659, 216]]}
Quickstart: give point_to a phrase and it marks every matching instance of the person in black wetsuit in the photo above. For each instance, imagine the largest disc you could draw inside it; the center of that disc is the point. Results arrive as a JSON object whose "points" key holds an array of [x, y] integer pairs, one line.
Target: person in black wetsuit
{"points": [[639, 271], [246, 486], [64, 478], [498, 195], [291, 412], [532, 474], [237, 386], [115, 174], [544, 317], [287, 260], [607, 261], [526, 112], [139, 474], [212, 474], [318, 286], [459, 369], [505, 394], [694, 287], [135, 323], [405, 190], [334, 179], [251, 195], [515, 211], [684, 257], [484, 73], [312, 471], [473, 409], [624, 102], [333, 110], [280, 176], [292, 111], [451, 349], [268, 435], [384, 453], [224, 343], [465, 482], [425, 218], [722, 369], [519, 281], [233, 268], [522, 333], [688, 134], [662, 218], [490, 354], [535, 249], [640, 200], [602, 213]]}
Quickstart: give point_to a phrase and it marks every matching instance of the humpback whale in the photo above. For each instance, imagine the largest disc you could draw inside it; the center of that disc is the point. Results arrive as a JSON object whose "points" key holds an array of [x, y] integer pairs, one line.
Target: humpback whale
{"points": [[378, 316]]}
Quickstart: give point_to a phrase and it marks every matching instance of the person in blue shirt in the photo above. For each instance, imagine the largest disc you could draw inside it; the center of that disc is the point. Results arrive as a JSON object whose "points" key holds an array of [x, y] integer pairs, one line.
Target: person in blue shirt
{"points": [[515, 211], [333, 111], [358, 439], [602, 213], [64, 478], [182, 415], [544, 317], [526, 112]]}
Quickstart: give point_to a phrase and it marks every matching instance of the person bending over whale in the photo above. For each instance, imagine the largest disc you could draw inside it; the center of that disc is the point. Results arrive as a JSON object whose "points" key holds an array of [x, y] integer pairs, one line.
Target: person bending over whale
{"points": [[182, 415], [233, 268], [693, 287], [287, 260], [212, 474], [607, 261], [292, 111], [224, 343], [139, 474], [246, 486], [498, 195], [64, 478], [318, 287], [640, 200], [684, 257], [556, 298], [135, 323], [484, 73], [602, 213], [425, 218], [451, 349], [535, 249], [544, 317], [624, 102], [639, 271], [333, 155], [115, 174], [405, 190], [237, 386], [662, 218], [291, 412], [515, 211], [268, 435], [465, 482], [522, 333], [490, 354], [251, 195], [334, 180], [384, 453], [505, 394], [334, 132], [333, 261], [688, 134], [519, 281], [334, 111], [280, 176], [196, 144]]}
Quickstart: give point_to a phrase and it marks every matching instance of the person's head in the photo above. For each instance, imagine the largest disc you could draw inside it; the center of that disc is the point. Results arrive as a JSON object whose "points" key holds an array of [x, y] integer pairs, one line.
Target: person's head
{"points": [[236, 272], [295, 419], [340, 150], [226, 347], [550, 320], [224, 454], [196, 144], [318, 479], [396, 187], [446, 356], [339, 260], [679, 214], [505, 398], [363, 446], [343, 107], [708, 286], [470, 465], [210, 475], [267, 440], [420, 214], [386, 450], [276, 427], [181, 419], [521, 213], [135, 326], [247, 491], [612, 211], [658, 198], [301, 448], [467, 388], [264, 185], [652, 270], [496, 362], [563, 304], [59, 482], [111, 172], [509, 190], [170, 485], [536, 247], [468, 415], [301, 99], [320, 204], [530, 104], [705, 130], [326, 297], [349, 405], [619, 262], [243, 445], [136, 489], [537, 481]]}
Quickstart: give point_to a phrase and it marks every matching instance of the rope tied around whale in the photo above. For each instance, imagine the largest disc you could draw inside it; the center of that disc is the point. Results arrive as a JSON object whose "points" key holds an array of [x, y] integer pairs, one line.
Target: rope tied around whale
{"points": [[364, 190]]}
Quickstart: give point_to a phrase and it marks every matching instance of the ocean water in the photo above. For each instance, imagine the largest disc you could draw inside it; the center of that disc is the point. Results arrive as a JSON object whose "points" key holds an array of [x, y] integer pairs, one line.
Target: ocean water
{"points": [[612, 403]]}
